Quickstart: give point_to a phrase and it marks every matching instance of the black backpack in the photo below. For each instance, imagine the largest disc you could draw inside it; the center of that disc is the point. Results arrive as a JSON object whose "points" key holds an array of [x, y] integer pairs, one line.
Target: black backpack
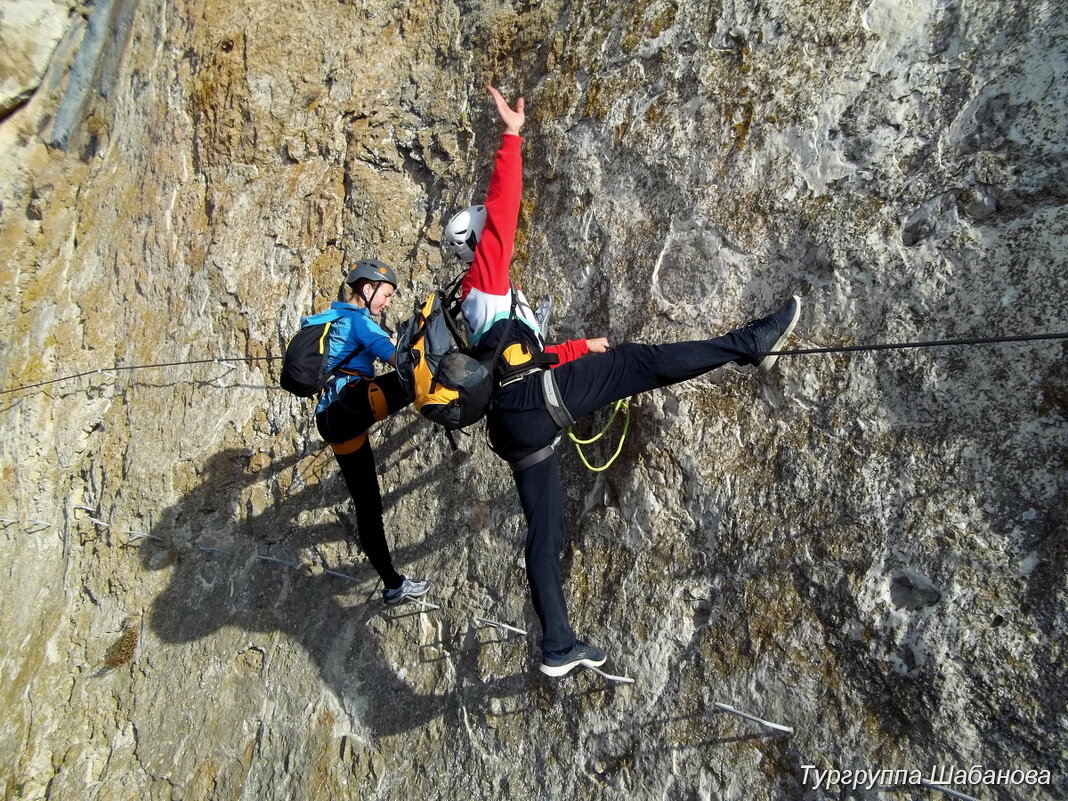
{"points": [[305, 364]]}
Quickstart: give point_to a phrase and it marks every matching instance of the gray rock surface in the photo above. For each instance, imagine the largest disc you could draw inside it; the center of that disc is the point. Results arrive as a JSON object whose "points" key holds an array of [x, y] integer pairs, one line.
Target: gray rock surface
{"points": [[868, 548], [29, 33]]}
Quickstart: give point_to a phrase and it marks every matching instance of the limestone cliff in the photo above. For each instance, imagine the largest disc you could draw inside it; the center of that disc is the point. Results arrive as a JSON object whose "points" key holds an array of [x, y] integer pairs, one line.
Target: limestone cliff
{"points": [[868, 548]]}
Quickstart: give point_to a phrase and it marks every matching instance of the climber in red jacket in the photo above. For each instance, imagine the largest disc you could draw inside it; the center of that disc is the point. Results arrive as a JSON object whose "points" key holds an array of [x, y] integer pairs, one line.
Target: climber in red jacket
{"points": [[541, 389]]}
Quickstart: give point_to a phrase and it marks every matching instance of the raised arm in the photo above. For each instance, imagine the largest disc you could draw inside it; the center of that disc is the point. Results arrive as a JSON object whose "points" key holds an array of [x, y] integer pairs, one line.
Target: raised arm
{"points": [[489, 269], [513, 119]]}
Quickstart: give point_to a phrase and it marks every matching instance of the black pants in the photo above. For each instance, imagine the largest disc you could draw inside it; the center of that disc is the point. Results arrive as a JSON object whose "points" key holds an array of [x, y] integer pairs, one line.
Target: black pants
{"points": [[519, 425], [344, 425]]}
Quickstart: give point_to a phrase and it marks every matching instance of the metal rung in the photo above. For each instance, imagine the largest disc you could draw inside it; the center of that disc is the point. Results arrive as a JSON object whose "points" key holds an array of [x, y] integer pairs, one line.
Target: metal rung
{"points": [[264, 558], [498, 625], [138, 535], [747, 716], [422, 603], [340, 575], [89, 517], [610, 677], [947, 791]]}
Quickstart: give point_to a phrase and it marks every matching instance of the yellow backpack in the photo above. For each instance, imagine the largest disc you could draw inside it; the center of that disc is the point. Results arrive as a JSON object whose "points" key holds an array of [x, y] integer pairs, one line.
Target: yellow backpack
{"points": [[450, 386]]}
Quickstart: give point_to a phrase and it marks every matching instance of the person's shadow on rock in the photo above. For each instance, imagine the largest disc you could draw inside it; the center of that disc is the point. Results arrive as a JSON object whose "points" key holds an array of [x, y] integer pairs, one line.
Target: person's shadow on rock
{"points": [[223, 574]]}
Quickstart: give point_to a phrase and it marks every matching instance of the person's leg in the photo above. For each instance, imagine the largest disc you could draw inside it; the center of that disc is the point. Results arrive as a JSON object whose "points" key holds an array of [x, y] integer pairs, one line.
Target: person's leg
{"points": [[344, 423], [357, 463], [589, 383], [360, 405], [386, 395], [542, 498]]}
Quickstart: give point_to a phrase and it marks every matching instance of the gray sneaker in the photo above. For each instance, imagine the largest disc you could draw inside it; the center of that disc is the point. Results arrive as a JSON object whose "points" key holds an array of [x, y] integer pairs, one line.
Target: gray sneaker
{"points": [[409, 588], [541, 314], [560, 664], [770, 333]]}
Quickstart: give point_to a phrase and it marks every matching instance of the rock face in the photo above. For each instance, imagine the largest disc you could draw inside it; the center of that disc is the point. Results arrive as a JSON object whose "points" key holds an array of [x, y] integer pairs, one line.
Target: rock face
{"points": [[29, 32], [866, 547]]}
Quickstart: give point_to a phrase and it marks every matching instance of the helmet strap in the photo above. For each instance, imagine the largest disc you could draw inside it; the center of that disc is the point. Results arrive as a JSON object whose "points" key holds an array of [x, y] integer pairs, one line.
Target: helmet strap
{"points": [[378, 286]]}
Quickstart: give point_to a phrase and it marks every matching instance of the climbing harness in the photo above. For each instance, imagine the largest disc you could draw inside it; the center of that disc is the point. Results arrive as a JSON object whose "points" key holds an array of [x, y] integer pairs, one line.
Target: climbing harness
{"points": [[554, 402], [620, 404], [561, 417], [539, 455]]}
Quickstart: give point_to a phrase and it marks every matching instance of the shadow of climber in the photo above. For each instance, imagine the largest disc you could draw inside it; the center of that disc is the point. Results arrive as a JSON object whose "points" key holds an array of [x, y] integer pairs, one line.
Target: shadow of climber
{"points": [[219, 578]]}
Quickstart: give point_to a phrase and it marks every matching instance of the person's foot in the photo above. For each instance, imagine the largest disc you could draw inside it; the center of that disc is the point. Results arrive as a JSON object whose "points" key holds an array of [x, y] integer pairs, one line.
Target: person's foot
{"points": [[541, 314], [554, 663], [409, 588], [770, 333]]}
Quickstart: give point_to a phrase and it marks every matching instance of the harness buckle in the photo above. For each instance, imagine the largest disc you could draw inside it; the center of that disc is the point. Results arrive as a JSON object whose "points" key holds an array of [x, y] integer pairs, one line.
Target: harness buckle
{"points": [[519, 377]]}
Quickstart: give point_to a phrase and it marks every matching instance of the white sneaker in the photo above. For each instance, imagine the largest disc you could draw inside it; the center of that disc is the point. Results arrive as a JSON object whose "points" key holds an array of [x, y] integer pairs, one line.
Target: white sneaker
{"points": [[579, 654], [409, 588]]}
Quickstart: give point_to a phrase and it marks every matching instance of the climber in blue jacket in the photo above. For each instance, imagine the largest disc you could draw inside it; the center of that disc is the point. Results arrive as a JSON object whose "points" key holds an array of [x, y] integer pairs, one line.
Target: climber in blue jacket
{"points": [[353, 399]]}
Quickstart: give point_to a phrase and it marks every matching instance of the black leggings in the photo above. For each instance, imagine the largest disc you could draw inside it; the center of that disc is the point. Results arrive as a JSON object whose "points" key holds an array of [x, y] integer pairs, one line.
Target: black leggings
{"points": [[344, 425], [519, 425]]}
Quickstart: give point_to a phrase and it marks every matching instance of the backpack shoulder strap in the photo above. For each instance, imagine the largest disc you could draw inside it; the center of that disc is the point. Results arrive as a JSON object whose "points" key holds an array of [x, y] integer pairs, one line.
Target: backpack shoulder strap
{"points": [[452, 292], [505, 333], [327, 316], [331, 316], [451, 309]]}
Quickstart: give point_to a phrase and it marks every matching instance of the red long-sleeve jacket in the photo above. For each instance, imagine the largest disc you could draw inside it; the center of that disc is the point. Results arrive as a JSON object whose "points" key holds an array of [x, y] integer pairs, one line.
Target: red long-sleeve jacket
{"points": [[485, 291]]}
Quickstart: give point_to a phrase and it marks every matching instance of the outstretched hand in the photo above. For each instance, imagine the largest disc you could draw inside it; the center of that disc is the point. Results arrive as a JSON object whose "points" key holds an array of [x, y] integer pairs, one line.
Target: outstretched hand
{"points": [[513, 119], [598, 345]]}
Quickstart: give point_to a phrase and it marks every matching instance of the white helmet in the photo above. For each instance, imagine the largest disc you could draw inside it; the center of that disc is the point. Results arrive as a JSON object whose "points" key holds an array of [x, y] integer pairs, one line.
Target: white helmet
{"points": [[463, 231]]}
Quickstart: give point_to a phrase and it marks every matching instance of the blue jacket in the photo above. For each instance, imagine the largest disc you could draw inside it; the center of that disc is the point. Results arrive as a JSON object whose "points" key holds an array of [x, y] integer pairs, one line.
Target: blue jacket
{"points": [[354, 336]]}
